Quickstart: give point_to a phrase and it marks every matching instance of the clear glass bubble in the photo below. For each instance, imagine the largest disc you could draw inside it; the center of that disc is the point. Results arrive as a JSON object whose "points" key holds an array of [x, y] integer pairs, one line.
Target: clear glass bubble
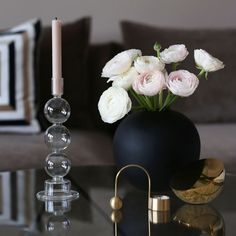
{"points": [[57, 165], [57, 137], [57, 110]]}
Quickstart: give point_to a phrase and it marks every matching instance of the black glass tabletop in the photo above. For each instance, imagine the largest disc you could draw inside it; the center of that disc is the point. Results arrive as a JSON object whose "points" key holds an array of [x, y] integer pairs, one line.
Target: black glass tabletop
{"points": [[22, 214]]}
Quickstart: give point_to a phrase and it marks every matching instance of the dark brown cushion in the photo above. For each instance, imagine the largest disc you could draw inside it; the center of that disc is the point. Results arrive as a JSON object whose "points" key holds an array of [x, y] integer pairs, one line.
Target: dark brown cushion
{"points": [[75, 41], [99, 55], [214, 100]]}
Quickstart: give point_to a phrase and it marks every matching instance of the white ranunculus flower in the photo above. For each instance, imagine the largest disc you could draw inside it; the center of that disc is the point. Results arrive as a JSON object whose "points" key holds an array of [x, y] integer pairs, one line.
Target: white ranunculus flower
{"points": [[124, 80], [114, 104], [182, 83], [146, 64], [206, 61], [120, 63], [174, 54], [134, 53], [149, 84]]}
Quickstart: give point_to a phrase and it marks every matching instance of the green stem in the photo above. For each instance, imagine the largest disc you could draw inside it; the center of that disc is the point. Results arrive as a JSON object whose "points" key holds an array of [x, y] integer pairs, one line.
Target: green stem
{"points": [[157, 48], [160, 99], [168, 97], [174, 97], [175, 65], [149, 103], [142, 100], [137, 107], [201, 73], [168, 101], [137, 98], [155, 101]]}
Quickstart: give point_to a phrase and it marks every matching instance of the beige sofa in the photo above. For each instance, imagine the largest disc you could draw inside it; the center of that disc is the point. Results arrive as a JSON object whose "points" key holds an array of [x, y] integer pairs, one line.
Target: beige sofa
{"points": [[212, 108]]}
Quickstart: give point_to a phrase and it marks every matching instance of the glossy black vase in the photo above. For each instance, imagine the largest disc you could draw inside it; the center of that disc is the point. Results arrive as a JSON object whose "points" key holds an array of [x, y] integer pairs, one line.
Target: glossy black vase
{"points": [[161, 142]]}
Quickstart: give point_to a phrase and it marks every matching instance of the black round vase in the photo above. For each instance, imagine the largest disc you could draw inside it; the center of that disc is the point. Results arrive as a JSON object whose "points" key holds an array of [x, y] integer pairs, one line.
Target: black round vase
{"points": [[161, 142]]}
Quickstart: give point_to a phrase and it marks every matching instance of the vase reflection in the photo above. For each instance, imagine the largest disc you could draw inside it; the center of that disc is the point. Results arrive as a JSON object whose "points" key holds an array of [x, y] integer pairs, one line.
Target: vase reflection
{"points": [[202, 217]]}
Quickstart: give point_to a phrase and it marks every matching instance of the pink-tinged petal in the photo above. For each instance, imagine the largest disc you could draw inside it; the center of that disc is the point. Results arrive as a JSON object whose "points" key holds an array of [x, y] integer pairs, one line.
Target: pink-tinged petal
{"points": [[150, 83], [182, 83]]}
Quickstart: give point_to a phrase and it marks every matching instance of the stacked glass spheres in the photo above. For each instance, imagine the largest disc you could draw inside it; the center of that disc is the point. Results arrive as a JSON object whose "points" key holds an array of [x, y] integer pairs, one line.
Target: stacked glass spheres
{"points": [[57, 137]]}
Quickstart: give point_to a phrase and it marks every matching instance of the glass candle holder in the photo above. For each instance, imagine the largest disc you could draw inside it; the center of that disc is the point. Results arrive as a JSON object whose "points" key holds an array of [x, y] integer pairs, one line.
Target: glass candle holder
{"points": [[57, 165]]}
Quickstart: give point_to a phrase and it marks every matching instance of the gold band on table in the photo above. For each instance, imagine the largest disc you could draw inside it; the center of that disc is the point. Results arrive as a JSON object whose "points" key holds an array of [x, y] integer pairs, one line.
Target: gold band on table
{"points": [[158, 205], [116, 202], [155, 203]]}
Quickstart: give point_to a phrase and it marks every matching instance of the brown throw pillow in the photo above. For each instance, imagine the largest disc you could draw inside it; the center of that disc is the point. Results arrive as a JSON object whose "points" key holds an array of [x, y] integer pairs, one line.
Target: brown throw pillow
{"points": [[214, 100], [75, 41]]}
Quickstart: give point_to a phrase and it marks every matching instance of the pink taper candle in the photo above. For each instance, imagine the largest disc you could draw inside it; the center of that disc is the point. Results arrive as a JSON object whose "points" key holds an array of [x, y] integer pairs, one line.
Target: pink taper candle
{"points": [[57, 80]]}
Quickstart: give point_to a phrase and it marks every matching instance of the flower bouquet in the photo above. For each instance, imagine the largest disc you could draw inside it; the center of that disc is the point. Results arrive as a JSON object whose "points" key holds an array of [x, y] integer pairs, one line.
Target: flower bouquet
{"points": [[146, 80], [155, 137]]}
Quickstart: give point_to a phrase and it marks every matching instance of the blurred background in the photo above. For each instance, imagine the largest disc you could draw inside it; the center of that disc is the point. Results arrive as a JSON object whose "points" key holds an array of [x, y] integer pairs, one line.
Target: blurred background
{"points": [[91, 36], [106, 14]]}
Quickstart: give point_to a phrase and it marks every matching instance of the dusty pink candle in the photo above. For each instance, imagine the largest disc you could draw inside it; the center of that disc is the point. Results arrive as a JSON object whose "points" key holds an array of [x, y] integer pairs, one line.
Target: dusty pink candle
{"points": [[57, 81]]}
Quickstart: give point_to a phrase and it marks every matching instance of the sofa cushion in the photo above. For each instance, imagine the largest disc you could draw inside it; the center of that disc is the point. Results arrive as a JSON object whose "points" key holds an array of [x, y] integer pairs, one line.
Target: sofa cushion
{"points": [[218, 141], [17, 78], [214, 100], [29, 151], [75, 41], [95, 148]]}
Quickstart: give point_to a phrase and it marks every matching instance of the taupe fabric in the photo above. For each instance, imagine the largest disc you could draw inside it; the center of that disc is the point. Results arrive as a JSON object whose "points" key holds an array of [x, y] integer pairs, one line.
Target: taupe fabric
{"points": [[219, 141], [29, 151], [95, 148], [214, 100]]}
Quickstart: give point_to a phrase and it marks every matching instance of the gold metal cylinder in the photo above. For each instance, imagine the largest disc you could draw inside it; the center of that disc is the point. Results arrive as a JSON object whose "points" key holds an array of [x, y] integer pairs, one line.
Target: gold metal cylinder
{"points": [[159, 203]]}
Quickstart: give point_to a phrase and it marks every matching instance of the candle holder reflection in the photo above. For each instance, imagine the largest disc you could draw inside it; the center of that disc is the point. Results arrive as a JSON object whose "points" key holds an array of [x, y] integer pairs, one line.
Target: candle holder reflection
{"points": [[57, 222]]}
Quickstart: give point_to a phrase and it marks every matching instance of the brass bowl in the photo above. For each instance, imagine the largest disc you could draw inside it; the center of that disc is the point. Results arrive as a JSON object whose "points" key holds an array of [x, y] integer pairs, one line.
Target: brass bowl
{"points": [[199, 182]]}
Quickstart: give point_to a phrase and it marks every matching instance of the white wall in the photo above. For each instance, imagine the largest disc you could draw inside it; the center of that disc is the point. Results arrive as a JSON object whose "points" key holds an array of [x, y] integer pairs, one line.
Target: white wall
{"points": [[107, 13]]}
